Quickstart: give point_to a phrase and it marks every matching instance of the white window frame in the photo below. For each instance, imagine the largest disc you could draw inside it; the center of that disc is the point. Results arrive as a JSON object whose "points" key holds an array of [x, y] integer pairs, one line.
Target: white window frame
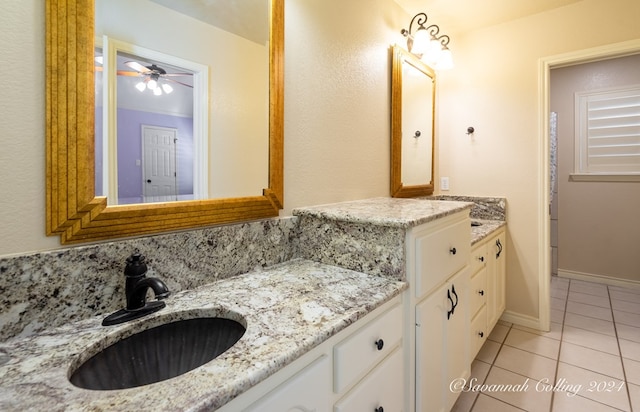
{"points": [[629, 115]]}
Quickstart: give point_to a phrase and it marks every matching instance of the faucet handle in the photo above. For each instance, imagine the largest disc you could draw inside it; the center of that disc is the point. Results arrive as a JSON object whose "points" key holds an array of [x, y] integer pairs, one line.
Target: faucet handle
{"points": [[136, 265]]}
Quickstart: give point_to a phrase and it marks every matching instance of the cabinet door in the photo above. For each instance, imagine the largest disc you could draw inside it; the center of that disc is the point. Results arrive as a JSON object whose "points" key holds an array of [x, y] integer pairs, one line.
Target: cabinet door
{"points": [[382, 389], [308, 390], [431, 318], [457, 336], [496, 298]]}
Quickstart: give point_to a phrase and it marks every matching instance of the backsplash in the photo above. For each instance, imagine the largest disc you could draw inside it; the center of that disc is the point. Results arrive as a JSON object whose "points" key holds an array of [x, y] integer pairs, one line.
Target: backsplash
{"points": [[49, 289], [485, 208]]}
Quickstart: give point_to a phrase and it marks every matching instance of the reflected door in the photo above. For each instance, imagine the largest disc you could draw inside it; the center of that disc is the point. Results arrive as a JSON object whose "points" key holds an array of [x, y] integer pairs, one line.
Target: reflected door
{"points": [[159, 176]]}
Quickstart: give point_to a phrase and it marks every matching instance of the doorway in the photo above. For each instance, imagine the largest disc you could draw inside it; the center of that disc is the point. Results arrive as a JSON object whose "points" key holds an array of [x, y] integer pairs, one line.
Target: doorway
{"points": [[159, 175], [545, 66]]}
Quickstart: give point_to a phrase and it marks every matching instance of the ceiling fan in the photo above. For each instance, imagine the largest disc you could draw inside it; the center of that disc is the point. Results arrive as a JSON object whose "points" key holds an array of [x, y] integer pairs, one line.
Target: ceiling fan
{"points": [[153, 77]]}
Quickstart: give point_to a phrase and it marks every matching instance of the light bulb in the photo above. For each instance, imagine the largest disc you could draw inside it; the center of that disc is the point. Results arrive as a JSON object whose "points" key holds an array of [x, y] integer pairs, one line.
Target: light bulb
{"points": [[420, 41], [167, 88], [157, 91], [141, 86], [152, 84]]}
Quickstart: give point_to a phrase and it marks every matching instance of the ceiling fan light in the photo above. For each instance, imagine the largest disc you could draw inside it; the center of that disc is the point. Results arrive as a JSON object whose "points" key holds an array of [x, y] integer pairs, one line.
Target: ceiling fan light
{"points": [[167, 88], [152, 84], [157, 91], [141, 86]]}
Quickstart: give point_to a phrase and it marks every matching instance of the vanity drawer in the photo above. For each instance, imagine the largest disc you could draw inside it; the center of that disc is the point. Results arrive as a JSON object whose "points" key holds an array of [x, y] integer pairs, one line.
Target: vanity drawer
{"points": [[478, 291], [382, 389], [478, 259], [479, 332], [356, 355], [440, 254]]}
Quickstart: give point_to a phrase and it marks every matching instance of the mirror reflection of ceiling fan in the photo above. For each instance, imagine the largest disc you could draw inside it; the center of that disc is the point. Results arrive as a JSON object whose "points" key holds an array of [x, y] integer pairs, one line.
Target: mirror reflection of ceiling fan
{"points": [[153, 77]]}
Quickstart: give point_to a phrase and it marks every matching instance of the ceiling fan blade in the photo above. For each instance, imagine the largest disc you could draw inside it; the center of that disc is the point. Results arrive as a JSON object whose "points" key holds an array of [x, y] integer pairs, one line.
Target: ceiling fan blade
{"points": [[137, 67], [175, 81], [177, 74], [130, 74]]}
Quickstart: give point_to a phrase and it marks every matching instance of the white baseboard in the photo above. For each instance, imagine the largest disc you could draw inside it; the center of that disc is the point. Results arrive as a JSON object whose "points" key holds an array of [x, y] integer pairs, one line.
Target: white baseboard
{"points": [[607, 280], [522, 320]]}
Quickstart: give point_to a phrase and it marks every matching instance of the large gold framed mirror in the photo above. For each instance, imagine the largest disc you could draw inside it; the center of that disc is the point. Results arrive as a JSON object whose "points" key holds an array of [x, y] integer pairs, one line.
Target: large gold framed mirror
{"points": [[73, 210], [412, 125]]}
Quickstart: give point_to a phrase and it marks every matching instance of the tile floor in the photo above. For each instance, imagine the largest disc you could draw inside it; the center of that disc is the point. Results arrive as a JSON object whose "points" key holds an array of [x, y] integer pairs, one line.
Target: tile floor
{"points": [[589, 361]]}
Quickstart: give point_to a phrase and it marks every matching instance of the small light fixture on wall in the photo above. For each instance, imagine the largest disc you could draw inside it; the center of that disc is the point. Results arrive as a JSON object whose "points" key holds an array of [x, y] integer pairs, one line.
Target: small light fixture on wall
{"points": [[425, 43]]}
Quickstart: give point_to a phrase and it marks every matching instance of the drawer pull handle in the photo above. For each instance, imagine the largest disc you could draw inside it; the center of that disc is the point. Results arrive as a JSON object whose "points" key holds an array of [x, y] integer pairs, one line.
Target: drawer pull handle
{"points": [[499, 245], [453, 304], [481, 334], [379, 344], [452, 251], [481, 292], [379, 409]]}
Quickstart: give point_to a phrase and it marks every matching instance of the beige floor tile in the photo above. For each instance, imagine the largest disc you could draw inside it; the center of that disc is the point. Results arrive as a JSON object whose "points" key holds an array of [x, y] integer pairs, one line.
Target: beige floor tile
{"points": [[516, 390], [589, 310], [498, 333], [601, 301], [464, 402], [601, 362], [559, 283], [626, 318], [592, 385], [589, 288], [555, 331], [626, 306], [632, 370], [628, 332], [565, 402], [557, 316], [557, 303], [625, 289], [593, 340], [624, 294], [479, 371], [559, 293], [534, 343], [526, 363], [630, 349], [592, 324], [488, 404], [634, 394], [488, 351]]}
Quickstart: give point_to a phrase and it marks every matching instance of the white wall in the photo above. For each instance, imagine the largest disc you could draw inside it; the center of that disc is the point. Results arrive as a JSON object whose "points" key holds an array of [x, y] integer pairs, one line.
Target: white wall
{"points": [[495, 88]]}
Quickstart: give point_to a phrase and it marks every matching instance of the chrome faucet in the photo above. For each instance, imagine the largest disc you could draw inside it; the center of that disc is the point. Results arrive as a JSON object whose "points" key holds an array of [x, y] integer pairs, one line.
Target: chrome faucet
{"points": [[136, 287]]}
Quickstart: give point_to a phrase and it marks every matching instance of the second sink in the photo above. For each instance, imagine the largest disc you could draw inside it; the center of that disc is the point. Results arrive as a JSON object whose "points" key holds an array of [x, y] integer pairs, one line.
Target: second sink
{"points": [[157, 354]]}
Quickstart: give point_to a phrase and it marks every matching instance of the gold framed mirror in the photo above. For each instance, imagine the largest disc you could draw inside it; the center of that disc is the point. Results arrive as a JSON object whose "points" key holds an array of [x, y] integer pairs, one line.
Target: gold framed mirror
{"points": [[413, 85], [73, 211]]}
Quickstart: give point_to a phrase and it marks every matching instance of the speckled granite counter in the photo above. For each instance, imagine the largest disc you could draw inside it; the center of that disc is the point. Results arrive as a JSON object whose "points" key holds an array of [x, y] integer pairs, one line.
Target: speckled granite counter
{"points": [[486, 228], [288, 308]]}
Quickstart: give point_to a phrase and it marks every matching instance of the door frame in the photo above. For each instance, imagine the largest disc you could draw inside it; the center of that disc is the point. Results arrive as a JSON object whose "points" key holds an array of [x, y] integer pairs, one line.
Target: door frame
{"points": [[545, 64]]}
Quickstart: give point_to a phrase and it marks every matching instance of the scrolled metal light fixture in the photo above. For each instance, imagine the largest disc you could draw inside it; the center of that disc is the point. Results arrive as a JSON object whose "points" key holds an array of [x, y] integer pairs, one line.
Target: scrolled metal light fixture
{"points": [[427, 43]]}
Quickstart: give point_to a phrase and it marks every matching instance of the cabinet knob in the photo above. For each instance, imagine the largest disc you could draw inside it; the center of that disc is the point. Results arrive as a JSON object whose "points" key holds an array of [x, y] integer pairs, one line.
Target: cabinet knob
{"points": [[481, 292], [379, 344], [452, 251], [379, 409], [481, 334], [481, 258]]}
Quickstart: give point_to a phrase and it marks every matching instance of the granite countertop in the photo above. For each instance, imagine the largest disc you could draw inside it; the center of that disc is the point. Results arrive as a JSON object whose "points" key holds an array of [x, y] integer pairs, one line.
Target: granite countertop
{"points": [[288, 309], [385, 211], [486, 228]]}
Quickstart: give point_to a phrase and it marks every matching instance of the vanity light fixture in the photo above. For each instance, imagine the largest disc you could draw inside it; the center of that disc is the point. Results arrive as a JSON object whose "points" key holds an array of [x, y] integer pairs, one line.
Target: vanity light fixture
{"points": [[425, 43]]}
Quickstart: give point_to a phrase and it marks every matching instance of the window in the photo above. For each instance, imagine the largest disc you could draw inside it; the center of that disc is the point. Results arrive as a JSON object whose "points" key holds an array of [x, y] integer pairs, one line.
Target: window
{"points": [[607, 142]]}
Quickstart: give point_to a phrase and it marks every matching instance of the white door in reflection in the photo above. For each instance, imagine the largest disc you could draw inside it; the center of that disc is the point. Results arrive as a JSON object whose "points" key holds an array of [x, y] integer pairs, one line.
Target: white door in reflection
{"points": [[159, 177]]}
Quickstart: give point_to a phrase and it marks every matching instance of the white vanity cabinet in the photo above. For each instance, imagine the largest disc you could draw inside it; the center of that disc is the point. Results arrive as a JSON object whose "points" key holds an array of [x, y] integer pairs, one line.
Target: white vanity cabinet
{"points": [[438, 309], [487, 287], [360, 368]]}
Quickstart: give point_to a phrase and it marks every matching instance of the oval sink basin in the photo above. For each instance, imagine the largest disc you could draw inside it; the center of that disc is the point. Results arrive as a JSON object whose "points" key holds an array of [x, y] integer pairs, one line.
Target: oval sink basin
{"points": [[157, 354]]}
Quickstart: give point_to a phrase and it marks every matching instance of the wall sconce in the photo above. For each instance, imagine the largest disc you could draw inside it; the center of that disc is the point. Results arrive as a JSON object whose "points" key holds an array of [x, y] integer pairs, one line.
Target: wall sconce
{"points": [[425, 43]]}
